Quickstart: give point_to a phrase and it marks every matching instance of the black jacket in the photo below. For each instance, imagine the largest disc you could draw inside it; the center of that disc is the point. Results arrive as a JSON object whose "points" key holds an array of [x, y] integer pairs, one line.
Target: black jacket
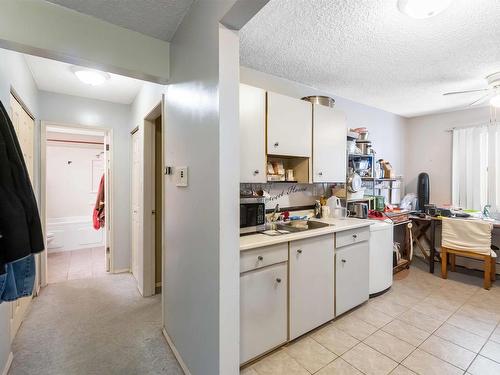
{"points": [[20, 226]]}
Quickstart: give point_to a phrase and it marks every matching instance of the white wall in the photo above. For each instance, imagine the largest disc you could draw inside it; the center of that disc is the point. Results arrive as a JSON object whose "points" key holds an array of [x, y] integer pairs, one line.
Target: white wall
{"points": [[429, 149], [147, 98], [14, 72], [74, 110], [387, 130], [198, 237], [70, 185]]}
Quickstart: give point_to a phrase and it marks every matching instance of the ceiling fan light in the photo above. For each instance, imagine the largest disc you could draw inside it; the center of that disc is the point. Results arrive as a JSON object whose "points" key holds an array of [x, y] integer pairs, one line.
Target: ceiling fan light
{"points": [[495, 101], [420, 9], [90, 76]]}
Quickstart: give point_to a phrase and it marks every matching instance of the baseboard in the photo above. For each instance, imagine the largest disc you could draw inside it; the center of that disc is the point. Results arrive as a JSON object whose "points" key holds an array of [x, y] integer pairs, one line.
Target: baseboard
{"points": [[7, 365], [176, 353], [123, 270]]}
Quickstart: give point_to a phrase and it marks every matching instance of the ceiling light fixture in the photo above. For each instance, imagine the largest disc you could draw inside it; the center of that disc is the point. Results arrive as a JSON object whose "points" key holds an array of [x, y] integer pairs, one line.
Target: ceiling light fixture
{"points": [[90, 76], [495, 101], [423, 8]]}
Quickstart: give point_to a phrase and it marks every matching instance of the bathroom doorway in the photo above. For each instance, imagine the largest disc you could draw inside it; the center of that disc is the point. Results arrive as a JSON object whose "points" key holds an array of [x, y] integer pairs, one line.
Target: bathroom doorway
{"points": [[76, 169]]}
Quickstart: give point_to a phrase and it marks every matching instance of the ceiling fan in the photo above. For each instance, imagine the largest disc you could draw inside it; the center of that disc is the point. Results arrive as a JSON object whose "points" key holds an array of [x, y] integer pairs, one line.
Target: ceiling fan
{"points": [[492, 92]]}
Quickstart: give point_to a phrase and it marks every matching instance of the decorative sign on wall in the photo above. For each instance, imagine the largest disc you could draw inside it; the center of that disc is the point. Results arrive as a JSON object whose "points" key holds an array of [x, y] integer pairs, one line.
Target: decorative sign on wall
{"points": [[289, 195]]}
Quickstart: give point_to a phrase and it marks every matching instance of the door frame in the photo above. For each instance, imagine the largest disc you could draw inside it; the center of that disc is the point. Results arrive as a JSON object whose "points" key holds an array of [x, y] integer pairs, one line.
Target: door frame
{"points": [[146, 252], [109, 169]]}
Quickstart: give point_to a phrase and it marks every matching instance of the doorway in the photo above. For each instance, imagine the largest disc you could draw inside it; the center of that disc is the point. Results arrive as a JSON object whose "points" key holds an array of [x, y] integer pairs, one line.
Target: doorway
{"points": [[147, 202], [75, 181]]}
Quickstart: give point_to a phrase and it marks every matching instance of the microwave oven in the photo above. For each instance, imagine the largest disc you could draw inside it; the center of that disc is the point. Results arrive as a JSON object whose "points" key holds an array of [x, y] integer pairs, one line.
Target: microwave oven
{"points": [[252, 215]]}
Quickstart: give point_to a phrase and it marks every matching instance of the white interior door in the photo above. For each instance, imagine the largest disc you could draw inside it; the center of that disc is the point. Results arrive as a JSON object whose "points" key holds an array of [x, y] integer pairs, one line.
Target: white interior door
{"points": [[24, 126], [136, 193]]}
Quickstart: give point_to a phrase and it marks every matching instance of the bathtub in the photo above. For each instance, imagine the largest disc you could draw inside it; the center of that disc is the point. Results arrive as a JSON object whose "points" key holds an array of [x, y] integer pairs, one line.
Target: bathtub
{"points": [[73, 233]]}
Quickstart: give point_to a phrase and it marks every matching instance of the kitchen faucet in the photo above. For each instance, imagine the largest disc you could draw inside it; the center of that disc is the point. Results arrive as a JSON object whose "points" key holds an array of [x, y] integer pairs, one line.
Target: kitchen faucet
{"points": [[273, 215]]}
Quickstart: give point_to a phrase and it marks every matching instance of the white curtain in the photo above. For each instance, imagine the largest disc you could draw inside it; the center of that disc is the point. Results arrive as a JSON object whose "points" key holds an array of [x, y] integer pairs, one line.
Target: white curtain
{"points": [[470, 167], [493, 166]]}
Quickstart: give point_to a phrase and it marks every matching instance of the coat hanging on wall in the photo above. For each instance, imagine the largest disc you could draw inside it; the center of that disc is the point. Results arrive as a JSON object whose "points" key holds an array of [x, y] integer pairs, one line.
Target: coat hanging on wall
{"points": [[20, 227]]}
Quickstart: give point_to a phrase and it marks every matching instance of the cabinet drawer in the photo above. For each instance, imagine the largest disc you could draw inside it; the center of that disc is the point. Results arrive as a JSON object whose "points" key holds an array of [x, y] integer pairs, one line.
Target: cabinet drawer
{"points": [[263, 256], [352, 236]]}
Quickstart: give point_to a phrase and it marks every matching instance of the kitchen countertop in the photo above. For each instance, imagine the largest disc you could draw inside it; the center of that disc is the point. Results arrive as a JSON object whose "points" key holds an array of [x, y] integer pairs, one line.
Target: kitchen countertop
{"points": [[253, 241]]}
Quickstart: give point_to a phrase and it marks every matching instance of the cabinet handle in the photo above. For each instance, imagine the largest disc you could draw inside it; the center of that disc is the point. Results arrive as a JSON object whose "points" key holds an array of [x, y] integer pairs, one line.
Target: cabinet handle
{"points": [[260, 257], [343, 261], [278, 280], [354, 236], [320, 173], [276, 144], [299, 251], [256, 171]]}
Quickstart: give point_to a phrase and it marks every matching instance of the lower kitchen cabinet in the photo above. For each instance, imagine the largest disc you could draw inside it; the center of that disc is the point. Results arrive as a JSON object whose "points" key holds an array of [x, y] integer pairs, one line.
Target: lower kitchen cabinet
{"points": [[311, 263], [263, 310], [351, 275]]}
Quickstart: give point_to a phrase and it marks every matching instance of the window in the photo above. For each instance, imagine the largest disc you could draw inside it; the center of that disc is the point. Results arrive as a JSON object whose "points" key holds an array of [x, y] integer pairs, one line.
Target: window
{"points": [[476, 159]]}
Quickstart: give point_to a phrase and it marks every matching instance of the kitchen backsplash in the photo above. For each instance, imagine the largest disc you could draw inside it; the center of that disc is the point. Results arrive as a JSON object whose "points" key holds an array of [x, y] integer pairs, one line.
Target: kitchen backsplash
{"points": [[289, 195]]}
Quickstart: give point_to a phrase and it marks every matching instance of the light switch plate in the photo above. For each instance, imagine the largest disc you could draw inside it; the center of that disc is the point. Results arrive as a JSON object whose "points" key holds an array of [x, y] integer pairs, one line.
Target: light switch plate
{"points": [[181, 176]]}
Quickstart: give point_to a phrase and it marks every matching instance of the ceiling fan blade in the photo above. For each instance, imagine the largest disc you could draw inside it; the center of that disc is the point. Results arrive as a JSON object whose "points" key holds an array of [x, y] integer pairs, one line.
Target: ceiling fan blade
{"points": [[464, 92], [481, 100]]}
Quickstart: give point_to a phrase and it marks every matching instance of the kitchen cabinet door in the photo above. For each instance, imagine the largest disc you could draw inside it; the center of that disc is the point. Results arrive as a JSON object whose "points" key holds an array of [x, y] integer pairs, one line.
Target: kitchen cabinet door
{"points": [[289, 126], [329, 144], [263, 310], [252, 134], [351, 276], [311, 283]]}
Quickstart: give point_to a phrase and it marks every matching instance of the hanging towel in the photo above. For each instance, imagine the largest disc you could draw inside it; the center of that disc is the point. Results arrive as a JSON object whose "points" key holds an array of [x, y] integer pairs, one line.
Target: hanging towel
{"points": [[20, 227], [98, 216]]}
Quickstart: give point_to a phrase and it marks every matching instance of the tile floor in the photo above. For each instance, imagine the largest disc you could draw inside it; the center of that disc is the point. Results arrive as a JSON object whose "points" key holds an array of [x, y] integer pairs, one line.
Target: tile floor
{"points": [[76, 264], [423, 325]]}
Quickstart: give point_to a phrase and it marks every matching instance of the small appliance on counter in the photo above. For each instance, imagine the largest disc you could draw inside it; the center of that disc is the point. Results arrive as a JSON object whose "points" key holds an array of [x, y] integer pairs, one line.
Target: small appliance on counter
{"points": [[359, 210], [252, 214]]}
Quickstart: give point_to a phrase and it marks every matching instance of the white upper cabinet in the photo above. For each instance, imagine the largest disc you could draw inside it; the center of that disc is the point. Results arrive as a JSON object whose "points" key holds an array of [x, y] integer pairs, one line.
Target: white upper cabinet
{"points": [[289, 126], [329, 144], [252, 134]]}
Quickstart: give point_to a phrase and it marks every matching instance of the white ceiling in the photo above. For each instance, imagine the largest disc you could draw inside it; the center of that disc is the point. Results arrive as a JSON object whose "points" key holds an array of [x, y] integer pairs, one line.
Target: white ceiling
{"points": [[156, 18], [55, 76], [367, 51]]}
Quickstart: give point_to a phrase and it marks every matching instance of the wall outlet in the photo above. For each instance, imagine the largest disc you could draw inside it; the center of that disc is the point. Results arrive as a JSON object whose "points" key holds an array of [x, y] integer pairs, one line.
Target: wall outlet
{"points": [[181, 176]]}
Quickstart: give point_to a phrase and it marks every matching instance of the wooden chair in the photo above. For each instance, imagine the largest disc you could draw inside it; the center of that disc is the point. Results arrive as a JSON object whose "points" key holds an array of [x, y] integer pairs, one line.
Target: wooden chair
{"points": [[470, 239]]}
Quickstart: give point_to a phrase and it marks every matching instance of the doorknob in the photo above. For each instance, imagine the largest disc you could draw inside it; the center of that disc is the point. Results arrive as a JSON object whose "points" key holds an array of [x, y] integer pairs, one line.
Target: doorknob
{"points": [[299, 251], [278, 280], [153, 212]]}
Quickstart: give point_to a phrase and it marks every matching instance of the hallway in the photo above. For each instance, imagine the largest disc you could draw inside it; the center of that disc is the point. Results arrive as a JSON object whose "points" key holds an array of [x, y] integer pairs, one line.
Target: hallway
{"points": [[93, 326]]}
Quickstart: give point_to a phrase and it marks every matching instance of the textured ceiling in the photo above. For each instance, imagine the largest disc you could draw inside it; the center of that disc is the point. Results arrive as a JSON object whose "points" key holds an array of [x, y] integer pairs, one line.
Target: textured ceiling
{"points": [[367, 51], [55, 76], [156, 18]]}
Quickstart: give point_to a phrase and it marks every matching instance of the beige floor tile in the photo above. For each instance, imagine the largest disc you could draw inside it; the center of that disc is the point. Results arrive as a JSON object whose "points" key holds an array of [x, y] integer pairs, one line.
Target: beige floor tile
{"points": [[460, 337], [389, 345], [425, 364], [406, 332], [484, 366], [401, 370], [422, 321], [309, 354], [449, 352], [471, 325], [388, 307], [368, 360], [355, 327], [495, 336], [248, 371], [492, 351], [483, 315], [334, 339], [372, 316], [279, 363], [430, 309], [339, 367]]}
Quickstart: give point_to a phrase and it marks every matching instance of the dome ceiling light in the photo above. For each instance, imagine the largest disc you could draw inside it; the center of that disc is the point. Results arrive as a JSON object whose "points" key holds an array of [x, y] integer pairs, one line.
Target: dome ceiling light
{"points": [[421, 9]]}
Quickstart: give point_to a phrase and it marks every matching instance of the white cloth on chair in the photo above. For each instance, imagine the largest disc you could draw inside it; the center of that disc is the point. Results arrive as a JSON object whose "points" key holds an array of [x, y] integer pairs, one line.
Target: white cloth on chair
{"points": [[467, 235]]}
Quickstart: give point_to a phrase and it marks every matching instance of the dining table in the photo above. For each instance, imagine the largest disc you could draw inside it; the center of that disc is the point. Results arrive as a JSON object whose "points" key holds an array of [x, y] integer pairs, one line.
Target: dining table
{"points": [[430, 223]]}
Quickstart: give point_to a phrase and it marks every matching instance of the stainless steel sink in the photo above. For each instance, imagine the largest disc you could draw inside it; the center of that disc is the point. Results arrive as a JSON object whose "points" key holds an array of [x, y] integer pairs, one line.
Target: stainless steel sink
{"points": [[300, 225]]}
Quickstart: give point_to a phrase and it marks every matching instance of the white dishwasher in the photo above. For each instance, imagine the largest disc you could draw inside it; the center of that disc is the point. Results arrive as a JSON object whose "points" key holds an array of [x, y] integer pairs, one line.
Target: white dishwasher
{"points": [[381, 244]]}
